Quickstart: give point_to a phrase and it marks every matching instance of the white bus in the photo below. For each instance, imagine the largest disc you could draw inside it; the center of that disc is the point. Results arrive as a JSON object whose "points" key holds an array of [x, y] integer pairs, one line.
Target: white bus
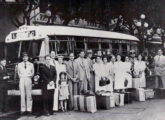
{"points": [[38, 41]]}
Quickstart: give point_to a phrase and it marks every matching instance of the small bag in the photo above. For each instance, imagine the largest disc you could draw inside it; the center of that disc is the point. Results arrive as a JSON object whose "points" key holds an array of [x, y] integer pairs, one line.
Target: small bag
{"points": [[102, 82], [125, 82]]}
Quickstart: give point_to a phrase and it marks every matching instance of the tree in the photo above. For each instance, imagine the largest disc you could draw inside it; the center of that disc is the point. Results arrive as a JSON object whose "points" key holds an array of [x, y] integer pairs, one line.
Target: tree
{"points": [[23, 7]]}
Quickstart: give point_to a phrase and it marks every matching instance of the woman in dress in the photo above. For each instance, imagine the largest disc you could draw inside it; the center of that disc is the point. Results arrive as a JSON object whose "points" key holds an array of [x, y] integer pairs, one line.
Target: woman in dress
{"points": [[141, 67], [128, 76], [98, 69], [119, 75], [60, 67], [112, 69], [106, 65]]}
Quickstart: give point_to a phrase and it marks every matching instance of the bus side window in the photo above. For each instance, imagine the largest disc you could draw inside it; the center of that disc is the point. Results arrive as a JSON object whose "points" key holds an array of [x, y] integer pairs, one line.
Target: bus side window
{"points": [[79, 43], [62, 47]]}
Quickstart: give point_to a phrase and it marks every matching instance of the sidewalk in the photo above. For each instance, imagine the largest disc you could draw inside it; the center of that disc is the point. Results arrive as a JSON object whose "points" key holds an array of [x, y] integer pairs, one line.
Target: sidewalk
{"points": [[148, 110], [8, 113]]}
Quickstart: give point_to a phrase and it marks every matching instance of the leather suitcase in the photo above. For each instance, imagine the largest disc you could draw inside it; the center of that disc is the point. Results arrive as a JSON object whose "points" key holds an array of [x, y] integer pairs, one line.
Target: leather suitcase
{"points": [[128, 97], [160, 93]]}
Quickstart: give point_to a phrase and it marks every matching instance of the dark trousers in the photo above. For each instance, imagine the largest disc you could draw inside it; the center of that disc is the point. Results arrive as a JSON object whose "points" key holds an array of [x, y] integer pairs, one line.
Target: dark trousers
{"points": [[3, 96], [47, 96]]}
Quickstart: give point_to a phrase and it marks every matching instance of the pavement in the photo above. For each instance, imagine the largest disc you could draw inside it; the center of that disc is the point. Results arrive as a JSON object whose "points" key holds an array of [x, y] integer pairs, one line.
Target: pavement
{"points": [[149, 110]]}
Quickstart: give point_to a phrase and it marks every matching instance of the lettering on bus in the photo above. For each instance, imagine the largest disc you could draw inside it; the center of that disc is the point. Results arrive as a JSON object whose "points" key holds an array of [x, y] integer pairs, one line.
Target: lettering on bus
{"points": [[24, 34]]}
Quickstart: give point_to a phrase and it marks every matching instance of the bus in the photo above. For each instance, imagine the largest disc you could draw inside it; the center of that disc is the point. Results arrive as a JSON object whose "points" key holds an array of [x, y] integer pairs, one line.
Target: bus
{"points": [[38, 41]]}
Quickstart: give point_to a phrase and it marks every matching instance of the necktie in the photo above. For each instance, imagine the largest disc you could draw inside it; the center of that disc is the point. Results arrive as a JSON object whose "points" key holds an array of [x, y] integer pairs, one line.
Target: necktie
{"points": [[25, 65], [132, 68], [159, 58], [73, 68]]}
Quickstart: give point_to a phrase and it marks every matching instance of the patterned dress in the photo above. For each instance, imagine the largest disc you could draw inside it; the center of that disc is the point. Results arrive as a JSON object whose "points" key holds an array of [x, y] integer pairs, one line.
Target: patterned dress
{"points": [[63, 90]]}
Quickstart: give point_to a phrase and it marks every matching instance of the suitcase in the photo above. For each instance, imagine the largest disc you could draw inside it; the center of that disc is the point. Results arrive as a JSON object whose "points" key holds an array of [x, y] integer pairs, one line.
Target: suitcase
{"points": [[119, 99], [140, 94], [160, 93], [105, 101], [85, 103], [149, 93], [127, 97]]}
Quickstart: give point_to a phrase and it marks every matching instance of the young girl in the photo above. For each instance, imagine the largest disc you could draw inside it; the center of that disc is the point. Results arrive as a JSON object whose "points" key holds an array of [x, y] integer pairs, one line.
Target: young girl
{"points": [[63, 91]]}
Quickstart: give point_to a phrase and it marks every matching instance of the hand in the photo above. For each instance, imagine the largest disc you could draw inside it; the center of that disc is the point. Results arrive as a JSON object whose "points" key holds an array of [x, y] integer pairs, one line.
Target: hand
{"points": [[51, 83], [74, 79], [36, 77]]}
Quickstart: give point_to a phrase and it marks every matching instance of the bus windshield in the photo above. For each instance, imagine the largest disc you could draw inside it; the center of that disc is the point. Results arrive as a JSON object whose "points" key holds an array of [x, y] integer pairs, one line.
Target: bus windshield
{"points": [[31, 47], [15, 50]]}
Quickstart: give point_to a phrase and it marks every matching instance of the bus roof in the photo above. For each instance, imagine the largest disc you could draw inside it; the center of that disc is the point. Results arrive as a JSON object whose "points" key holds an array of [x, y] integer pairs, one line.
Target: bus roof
{"points": [[25, 33]]}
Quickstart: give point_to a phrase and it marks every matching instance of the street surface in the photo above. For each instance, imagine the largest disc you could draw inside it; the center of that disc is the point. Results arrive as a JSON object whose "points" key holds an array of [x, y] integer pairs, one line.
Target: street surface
{"points": [[149, 110]]}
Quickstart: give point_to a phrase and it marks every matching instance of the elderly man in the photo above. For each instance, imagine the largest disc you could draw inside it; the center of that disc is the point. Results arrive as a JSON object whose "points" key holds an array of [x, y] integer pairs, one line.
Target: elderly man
{"points": [[53, 56], [48, 76], [159, 62], [73, 78], [3, 85], [25, 73], [84, 71]]}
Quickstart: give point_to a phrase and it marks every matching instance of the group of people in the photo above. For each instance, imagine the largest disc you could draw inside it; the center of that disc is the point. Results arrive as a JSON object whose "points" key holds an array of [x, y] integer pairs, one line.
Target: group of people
{"points": [[61, 80]]}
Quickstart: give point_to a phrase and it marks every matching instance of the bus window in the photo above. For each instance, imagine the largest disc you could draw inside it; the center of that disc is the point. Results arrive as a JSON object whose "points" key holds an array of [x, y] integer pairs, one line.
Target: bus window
{"points": [[52, 46], [93, 45], [79, 43], [124, 49], [104, 45], [62, 47], [115, 48]]}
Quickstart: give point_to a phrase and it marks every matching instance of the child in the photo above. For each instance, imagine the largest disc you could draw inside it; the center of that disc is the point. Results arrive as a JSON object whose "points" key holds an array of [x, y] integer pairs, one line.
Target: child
{"points": [[63, 91]]}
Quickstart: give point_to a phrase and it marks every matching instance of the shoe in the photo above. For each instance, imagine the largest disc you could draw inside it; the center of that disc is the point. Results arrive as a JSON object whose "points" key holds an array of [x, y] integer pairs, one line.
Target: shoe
{"points": [[29, 113], [47, 114], [23, 113]]}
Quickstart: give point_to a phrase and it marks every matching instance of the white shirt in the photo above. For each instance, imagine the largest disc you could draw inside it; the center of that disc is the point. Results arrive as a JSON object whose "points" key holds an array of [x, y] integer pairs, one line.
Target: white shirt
{"points": [[25, 72]]}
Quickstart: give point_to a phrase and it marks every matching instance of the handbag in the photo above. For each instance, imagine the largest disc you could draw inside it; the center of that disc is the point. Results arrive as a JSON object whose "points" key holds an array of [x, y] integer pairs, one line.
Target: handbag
{"points": [[102, 82], [107, 81], [125, 82]]}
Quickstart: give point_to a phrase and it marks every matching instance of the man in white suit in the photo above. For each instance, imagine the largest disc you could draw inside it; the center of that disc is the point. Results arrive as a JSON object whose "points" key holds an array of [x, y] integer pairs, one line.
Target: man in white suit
{"points": [[159, 62], [25, 73]]}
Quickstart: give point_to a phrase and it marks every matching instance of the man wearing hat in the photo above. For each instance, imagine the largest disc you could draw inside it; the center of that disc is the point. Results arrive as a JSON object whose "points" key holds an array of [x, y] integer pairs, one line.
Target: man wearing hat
{"points": [[90, 67], [84, 75], [25, 73]]}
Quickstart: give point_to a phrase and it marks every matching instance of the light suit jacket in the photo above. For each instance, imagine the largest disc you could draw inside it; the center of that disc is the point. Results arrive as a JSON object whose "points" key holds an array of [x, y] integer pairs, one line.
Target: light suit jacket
{"points": [[83, 69], [72, 70], [159, 65]]}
